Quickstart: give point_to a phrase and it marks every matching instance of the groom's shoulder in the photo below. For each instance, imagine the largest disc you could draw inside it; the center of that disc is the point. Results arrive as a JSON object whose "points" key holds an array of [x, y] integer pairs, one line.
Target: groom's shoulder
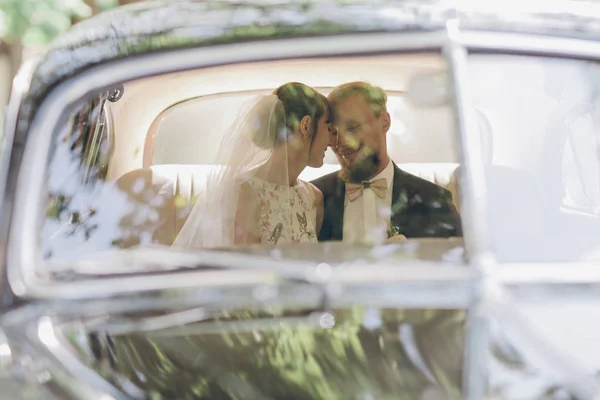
{"points": [[425, 189], [327, 184]]}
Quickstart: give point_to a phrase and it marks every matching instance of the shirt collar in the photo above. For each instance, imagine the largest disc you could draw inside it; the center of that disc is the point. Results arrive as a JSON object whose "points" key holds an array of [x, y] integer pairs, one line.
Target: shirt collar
{"points": [[387, 174]]}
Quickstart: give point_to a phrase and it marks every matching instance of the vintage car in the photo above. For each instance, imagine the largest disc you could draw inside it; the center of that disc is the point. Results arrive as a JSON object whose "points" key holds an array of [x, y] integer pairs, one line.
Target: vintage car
{"points": [[112, 134]]}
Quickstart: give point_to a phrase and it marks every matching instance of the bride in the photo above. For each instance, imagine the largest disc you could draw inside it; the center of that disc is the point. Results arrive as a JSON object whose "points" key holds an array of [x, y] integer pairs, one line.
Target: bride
{"points": [[254, 194]]}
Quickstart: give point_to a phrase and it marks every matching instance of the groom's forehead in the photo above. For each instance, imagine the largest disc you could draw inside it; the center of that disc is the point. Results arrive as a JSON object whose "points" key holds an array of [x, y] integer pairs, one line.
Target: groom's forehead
{"points": [[350, 109]]}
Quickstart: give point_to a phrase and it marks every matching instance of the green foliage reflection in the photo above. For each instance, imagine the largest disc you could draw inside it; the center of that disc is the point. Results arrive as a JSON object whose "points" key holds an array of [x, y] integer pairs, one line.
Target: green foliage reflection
{"points": [[247, 355]]}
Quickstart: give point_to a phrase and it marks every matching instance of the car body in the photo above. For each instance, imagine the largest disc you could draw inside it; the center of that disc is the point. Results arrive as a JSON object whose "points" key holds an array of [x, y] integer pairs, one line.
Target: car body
{"points": [[495, 104]]}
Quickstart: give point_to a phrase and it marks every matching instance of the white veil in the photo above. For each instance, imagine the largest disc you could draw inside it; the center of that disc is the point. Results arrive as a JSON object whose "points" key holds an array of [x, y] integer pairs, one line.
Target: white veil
{"points": [[228, 210]]}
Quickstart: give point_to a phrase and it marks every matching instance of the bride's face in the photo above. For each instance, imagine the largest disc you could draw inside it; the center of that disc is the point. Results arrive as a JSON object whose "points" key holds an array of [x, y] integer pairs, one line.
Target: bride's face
{"points": [[320, 141]]}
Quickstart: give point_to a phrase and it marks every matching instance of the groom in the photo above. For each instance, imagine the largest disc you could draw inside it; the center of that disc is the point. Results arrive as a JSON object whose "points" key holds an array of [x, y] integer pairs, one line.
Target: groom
{"points": [[371, 199]]}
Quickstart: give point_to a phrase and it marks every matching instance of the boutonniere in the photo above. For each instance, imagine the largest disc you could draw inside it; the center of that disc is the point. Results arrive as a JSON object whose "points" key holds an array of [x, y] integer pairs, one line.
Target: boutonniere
{"points": [[392, 231], [394, 235]]}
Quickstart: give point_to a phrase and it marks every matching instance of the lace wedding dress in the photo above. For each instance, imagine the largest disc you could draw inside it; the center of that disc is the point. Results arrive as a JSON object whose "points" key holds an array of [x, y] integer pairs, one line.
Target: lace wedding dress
{"points": [[287, 213]]}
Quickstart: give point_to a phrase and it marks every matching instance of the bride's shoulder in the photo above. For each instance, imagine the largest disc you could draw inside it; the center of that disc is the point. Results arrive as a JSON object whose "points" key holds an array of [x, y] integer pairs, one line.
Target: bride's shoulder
{"points": [[247, 190], [314, 191]]}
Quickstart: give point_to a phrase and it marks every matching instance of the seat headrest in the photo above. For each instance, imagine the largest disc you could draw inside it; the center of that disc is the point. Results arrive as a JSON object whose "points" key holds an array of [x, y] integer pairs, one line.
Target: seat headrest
{"points": [[189, 180]]}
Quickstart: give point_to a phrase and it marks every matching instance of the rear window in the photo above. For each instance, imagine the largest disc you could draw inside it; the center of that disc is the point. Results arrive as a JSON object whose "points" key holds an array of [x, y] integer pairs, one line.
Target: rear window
{"points": [[128, 172]]}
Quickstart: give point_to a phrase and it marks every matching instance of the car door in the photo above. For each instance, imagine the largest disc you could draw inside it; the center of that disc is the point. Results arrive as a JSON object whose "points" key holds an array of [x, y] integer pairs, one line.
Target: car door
{"points": [[106, 307]]}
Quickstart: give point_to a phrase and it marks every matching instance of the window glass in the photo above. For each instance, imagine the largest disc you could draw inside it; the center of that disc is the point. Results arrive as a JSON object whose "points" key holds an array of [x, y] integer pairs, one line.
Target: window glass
{"points": [[542, 172], [358, 353], [132, 171], [542, 349]]}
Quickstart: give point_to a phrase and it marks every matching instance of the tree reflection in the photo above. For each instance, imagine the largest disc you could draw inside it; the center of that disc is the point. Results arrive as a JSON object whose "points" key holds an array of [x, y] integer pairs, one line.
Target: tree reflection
{"points": [[85, 212], [365, 355], [355, 359], [151, 218]]}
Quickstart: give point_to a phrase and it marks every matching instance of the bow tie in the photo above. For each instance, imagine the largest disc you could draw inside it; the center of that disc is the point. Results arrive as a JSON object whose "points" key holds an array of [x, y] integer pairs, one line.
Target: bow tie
{"points": [[355, 190]]}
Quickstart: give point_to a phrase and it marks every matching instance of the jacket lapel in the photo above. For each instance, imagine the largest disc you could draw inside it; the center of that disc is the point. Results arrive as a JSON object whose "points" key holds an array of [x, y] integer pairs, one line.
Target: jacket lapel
{"points": [[398, 200], [337, 211], [334, 211]]}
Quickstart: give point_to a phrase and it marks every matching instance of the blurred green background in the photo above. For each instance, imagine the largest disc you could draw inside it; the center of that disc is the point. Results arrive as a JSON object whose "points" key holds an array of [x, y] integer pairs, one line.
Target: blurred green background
{"points": [[26, 26]]}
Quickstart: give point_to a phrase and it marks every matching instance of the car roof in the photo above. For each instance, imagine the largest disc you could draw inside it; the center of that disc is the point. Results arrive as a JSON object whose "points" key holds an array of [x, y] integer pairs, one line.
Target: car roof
{"points": [[156, 26], [161, 25]]}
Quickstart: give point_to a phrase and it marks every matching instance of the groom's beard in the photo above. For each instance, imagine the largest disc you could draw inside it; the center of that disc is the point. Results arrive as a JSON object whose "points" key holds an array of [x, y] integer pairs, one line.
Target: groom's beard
{"points": [[361, 170]]}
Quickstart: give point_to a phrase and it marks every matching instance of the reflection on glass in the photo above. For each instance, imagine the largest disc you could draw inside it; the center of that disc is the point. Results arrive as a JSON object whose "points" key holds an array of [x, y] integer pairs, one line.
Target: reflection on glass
{"points": [[545, 351], [543, 164], [127, 171], [344, 354]]}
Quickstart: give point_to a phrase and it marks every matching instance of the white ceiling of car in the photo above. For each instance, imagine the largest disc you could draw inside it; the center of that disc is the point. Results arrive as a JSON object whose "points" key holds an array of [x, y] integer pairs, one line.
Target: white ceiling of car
{"points": [[145, 99]]}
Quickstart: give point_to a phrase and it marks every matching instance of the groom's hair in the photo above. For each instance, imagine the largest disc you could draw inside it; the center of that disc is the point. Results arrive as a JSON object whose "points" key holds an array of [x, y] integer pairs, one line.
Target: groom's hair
{"points": [[373, 95], [300, 100]]}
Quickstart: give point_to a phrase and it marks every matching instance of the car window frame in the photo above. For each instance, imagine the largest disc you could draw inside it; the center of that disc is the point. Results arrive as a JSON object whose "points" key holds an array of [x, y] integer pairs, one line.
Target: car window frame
{"points": [[412, 42], [23, 252], [504, 283]]}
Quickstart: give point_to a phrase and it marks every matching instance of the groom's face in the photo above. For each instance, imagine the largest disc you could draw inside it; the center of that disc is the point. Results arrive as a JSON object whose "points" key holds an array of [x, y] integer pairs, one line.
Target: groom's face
{"points": [[361, 144]]}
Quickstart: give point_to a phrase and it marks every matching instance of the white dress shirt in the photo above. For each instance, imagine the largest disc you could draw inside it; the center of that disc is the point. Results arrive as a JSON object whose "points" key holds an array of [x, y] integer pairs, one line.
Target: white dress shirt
{"points": [[367, 218]]}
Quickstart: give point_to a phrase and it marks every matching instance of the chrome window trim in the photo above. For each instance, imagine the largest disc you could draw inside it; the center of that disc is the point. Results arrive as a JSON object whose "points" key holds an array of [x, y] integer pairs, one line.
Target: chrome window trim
{"points": [[20, 85], [75, 378], [475, 231], [530, 44], [99, 288], [473, 183]]}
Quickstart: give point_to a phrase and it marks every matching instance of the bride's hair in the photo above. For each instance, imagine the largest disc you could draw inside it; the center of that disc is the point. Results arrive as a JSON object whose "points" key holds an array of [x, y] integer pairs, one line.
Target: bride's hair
{"points": [[296, 100]]}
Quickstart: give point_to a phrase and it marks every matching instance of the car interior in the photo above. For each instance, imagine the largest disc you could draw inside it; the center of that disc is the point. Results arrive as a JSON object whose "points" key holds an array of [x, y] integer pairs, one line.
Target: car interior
{"points": [[147, 152], [160, 138], [181, 131]]}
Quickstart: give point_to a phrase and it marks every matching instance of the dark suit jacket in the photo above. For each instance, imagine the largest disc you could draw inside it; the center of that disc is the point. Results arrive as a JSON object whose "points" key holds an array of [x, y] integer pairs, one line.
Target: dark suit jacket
{"points": [[419, 208]]}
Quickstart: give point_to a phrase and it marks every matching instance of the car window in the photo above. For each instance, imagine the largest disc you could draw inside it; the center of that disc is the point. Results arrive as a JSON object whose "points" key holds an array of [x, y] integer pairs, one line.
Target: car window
{"points": [[135, 180], [542, 172]]}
